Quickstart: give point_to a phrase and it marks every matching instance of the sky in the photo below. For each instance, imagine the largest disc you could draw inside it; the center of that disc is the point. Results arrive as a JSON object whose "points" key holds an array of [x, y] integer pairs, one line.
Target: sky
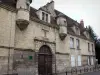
{"points": [[88, 10]]}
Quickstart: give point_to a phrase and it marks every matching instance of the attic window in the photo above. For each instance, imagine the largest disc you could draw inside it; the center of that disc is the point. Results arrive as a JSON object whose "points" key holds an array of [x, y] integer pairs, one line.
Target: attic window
{"points": [[87, 34], [77, 31], [45, 16], [64, 22]]}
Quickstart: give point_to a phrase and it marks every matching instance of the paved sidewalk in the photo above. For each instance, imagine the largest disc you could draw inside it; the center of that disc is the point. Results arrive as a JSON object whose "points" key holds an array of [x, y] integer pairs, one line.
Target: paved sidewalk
{"points": [[93, 73]]}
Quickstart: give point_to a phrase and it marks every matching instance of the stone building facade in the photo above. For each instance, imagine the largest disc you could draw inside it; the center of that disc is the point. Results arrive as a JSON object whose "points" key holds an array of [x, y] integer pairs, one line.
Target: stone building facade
{"points": [[41, 41]]}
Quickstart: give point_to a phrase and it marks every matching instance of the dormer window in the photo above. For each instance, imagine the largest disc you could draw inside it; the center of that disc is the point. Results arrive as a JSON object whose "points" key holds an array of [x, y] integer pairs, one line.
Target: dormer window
{"points": [[65, 22], [45, 16], [86, 34], [77, 31]]}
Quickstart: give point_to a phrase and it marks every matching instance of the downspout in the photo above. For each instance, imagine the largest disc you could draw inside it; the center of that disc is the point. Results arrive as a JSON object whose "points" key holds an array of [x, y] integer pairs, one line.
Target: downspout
{"points": [[55, 51], [9, 51]]}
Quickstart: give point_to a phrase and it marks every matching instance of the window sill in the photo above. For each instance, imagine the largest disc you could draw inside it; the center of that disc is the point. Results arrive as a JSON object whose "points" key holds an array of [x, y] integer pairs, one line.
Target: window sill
{"points": [[78, 49], [72, 48]]}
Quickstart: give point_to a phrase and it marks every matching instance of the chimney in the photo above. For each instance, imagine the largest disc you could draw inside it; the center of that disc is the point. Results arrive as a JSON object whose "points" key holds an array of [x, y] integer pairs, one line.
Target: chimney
{"points": [[82, 23], [51, 4]]}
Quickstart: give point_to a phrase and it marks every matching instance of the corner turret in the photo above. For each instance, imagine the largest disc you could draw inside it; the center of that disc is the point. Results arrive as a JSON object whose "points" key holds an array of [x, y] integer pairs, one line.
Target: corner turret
{"points": [[62, 22], [23, 9]]}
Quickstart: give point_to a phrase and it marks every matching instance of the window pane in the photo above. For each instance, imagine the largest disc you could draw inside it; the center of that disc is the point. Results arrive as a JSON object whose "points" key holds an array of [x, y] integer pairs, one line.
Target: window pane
{"points": [[71, 42], [88, 46], [43, 14], [92, 48], [92, 62], [47, 17], [77, 44], [72, 61], [79, 60], [79, 63]]}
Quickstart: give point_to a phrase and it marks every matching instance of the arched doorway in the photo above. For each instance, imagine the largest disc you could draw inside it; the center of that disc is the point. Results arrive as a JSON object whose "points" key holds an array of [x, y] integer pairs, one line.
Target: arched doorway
{"points": [[45, 61]]}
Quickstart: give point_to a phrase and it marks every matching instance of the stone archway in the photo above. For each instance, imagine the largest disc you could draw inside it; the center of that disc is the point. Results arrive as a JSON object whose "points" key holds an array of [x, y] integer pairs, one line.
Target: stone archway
{"points": [[45, 61]]}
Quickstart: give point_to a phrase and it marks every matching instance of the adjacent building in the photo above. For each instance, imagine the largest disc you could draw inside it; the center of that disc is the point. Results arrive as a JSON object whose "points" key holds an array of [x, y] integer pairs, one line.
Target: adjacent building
{"points": [[41, 41]]}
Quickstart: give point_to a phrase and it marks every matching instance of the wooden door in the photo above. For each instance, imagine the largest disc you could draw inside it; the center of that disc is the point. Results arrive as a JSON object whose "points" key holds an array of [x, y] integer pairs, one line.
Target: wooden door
{"points": [[45, 61]]}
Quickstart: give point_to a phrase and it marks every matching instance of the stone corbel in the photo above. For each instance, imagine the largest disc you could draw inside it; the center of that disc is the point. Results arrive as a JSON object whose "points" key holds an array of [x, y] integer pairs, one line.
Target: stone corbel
{"points": [[62, 36]]}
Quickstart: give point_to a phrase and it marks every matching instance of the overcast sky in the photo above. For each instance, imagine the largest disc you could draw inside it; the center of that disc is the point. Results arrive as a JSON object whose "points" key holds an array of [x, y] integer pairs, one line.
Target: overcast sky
{"points": [[88, 10]]}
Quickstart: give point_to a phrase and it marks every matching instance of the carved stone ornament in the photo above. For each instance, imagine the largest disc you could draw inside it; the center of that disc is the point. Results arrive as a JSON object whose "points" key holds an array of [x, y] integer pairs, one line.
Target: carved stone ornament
{"points": [[22, 24], [62, 36]]}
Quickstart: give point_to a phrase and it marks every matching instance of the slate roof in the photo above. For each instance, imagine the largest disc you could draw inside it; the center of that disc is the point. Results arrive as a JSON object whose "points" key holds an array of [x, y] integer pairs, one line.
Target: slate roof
{"points": [[9, 2], [70, 21]]}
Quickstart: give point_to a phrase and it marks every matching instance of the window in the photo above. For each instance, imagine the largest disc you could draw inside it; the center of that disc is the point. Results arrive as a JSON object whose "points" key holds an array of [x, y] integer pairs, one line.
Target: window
{"points": [[89, 47], [77, 44], [87, 34], [47, 17], [79, 60], [77, 31], [92, 48], [89, 60], [92, 61], [71, 42], [72, 61], [65, 22], [43, 15]]}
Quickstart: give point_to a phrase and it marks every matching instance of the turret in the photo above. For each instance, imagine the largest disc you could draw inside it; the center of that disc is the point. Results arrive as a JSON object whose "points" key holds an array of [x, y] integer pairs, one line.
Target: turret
{"points": [[62, 22], [23, 9]]}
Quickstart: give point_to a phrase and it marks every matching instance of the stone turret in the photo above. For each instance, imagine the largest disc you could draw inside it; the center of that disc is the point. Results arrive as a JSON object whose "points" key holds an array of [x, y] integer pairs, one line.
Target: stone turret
{"points": [[62, 22], [23, 9]]}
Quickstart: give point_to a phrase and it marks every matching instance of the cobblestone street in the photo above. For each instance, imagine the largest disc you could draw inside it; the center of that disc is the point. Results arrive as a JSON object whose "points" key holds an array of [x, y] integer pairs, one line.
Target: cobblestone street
{"points": [[93, 73]]}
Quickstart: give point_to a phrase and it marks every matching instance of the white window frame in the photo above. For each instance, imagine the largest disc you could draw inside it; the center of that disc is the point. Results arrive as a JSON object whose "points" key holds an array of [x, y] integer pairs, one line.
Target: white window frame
{"points": [[73, 61], [46, 16], [79, 60]]}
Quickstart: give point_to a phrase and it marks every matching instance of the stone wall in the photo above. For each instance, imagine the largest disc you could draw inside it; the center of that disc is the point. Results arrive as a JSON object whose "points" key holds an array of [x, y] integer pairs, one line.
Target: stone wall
{"points": [[13, 40], [7, 35], [24, 62], [62, 62]]}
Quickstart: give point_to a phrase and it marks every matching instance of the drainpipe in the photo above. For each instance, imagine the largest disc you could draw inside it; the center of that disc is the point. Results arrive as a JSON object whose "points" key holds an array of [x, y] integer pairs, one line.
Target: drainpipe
{"points": [[9, 48], [55, 52]]}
